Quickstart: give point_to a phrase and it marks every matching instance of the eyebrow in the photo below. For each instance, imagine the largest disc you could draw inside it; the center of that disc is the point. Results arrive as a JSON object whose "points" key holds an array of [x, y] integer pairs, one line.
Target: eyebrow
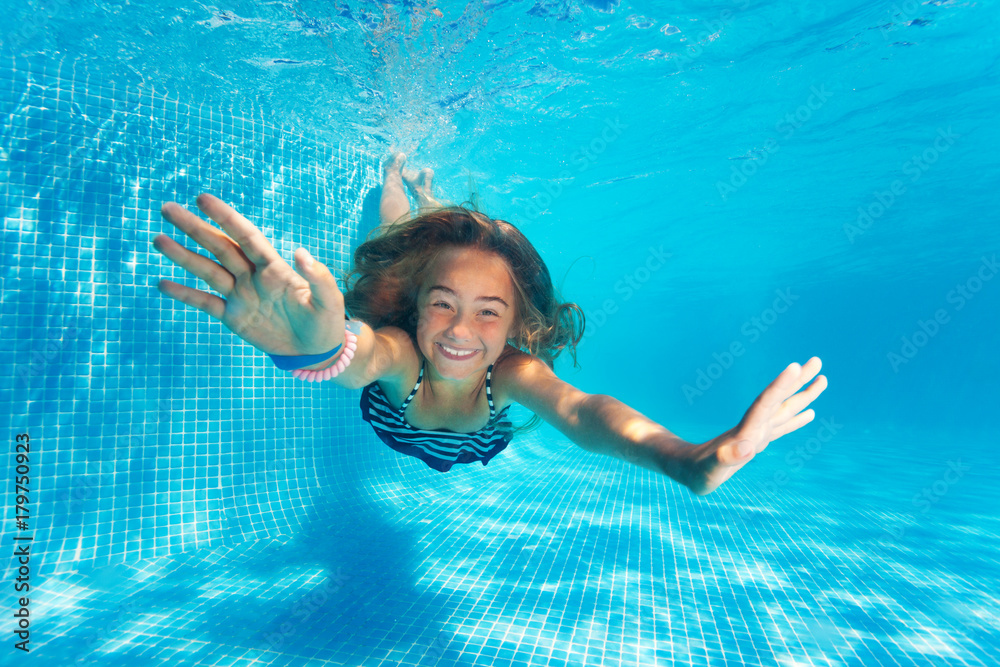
{"points": [[448, 290]]}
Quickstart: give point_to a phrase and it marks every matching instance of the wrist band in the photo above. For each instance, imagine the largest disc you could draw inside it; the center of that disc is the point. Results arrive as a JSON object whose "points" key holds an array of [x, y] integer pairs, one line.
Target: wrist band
{"points": [[294, 361], [350, 345], [291, 362]]}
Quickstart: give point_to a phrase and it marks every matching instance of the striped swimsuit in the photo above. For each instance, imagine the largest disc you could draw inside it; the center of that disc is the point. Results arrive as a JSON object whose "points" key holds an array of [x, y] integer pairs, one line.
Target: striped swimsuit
{"points": [[438, 449]]}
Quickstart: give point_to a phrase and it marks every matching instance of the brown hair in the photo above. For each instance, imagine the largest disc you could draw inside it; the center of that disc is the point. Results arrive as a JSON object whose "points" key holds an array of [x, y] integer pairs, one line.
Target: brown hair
{"points": [[394, 262]]}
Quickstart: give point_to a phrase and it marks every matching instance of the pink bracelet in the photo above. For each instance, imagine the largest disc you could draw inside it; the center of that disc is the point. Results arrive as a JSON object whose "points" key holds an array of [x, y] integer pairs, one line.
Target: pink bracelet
{"points": [[350, 345]]}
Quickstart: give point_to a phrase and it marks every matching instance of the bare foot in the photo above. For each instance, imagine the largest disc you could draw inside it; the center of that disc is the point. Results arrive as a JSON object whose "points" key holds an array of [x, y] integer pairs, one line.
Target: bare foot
{"points": [[393, 165], [776, 412], [420, 186]]}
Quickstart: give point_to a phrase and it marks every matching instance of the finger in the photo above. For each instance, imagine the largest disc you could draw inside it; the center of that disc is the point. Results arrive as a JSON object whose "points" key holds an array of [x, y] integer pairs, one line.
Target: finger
{"points": [[322, 284], [808, 372], [789, 381], [203, 301], [214, 240], [217, 277], [241, 230], [793, 424], [798, 402]]}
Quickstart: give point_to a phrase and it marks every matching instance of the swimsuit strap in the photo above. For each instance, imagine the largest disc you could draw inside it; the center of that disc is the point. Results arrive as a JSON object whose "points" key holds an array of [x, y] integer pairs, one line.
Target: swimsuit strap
{"points": [[420, 378], [489, 394], [412, 393]]}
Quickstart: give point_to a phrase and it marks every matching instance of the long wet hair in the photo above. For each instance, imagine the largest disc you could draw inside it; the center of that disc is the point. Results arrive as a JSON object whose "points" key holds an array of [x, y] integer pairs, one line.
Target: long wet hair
{"points": [[395, 260]]}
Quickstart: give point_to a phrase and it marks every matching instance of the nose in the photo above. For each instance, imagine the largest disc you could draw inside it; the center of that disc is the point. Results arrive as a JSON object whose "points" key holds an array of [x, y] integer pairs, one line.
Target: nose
{"points": [[460, 329]]}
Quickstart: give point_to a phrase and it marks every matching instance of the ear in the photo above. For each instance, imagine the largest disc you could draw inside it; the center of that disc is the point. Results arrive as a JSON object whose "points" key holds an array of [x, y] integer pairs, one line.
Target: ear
{"points": [[513, 328], [514, 333]]}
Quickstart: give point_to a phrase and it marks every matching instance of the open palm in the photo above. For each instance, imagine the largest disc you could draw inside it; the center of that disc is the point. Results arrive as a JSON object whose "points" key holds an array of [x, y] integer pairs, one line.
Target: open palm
{"points": [[264, 301], [776, 412]]}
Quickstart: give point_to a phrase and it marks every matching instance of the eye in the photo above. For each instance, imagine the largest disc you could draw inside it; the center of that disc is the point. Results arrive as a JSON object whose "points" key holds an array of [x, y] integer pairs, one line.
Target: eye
{"points": [[445, 305]]}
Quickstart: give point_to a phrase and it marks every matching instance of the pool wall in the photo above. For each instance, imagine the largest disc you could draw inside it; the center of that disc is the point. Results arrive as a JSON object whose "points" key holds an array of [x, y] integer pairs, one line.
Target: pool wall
{"points": [[154, 429]]}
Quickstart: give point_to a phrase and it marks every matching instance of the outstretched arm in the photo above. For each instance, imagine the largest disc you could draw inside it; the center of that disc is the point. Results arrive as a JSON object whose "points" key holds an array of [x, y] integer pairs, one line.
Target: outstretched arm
{"points": [[596, 422], [265, 302], [603, 424]]}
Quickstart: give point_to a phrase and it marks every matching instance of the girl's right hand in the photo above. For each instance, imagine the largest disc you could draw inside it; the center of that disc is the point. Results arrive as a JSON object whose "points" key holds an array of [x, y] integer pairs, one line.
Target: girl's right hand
{"points": [[266, 302]]}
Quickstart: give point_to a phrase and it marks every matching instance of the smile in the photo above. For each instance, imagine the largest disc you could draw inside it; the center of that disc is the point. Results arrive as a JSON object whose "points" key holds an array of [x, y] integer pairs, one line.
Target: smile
{"points": [[452, 353]]}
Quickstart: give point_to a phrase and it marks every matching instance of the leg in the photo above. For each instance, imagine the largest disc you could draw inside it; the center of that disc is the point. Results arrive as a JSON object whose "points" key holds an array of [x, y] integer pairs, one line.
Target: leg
{"points": [[420, 186], [393, 206]]}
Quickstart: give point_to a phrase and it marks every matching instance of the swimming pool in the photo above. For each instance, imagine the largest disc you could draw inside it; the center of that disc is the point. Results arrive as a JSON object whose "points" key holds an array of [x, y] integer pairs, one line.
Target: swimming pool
{"points": [[724, 189]]}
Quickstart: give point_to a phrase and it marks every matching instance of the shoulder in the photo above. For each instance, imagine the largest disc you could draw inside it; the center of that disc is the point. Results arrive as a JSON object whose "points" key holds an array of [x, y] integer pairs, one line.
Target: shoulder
{"points": [[394, 359], [398, 342], [527, 380], [512, 371]]}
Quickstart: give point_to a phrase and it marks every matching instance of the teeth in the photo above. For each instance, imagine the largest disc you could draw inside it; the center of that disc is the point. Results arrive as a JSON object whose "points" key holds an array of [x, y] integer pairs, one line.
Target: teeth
{"points": [[456, 352]]}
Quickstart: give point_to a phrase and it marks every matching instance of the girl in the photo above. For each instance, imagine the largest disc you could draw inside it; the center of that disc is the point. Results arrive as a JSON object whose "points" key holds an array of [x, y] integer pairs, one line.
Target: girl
{"points": [[456, 318]]}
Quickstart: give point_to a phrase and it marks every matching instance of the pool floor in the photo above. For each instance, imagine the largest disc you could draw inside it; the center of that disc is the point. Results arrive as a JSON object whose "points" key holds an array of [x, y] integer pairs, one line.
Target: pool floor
{"points": [[555, 556]]}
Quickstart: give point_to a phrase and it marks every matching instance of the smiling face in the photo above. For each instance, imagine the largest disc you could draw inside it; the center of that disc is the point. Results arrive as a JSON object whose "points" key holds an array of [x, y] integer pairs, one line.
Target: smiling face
{"points": [[467, 311]]}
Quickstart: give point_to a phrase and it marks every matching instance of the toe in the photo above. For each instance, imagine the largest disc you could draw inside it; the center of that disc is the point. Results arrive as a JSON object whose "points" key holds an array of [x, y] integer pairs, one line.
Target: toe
{"points": [[426, 176], [394, 162]]}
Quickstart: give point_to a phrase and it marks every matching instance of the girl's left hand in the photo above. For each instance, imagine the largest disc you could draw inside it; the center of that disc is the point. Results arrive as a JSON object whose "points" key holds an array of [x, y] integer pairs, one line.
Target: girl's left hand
{"points": [[776, 412]]}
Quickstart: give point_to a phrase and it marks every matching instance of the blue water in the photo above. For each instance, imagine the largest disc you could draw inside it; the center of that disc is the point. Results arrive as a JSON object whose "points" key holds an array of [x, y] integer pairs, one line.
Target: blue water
{"points": [[821, 179]]}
